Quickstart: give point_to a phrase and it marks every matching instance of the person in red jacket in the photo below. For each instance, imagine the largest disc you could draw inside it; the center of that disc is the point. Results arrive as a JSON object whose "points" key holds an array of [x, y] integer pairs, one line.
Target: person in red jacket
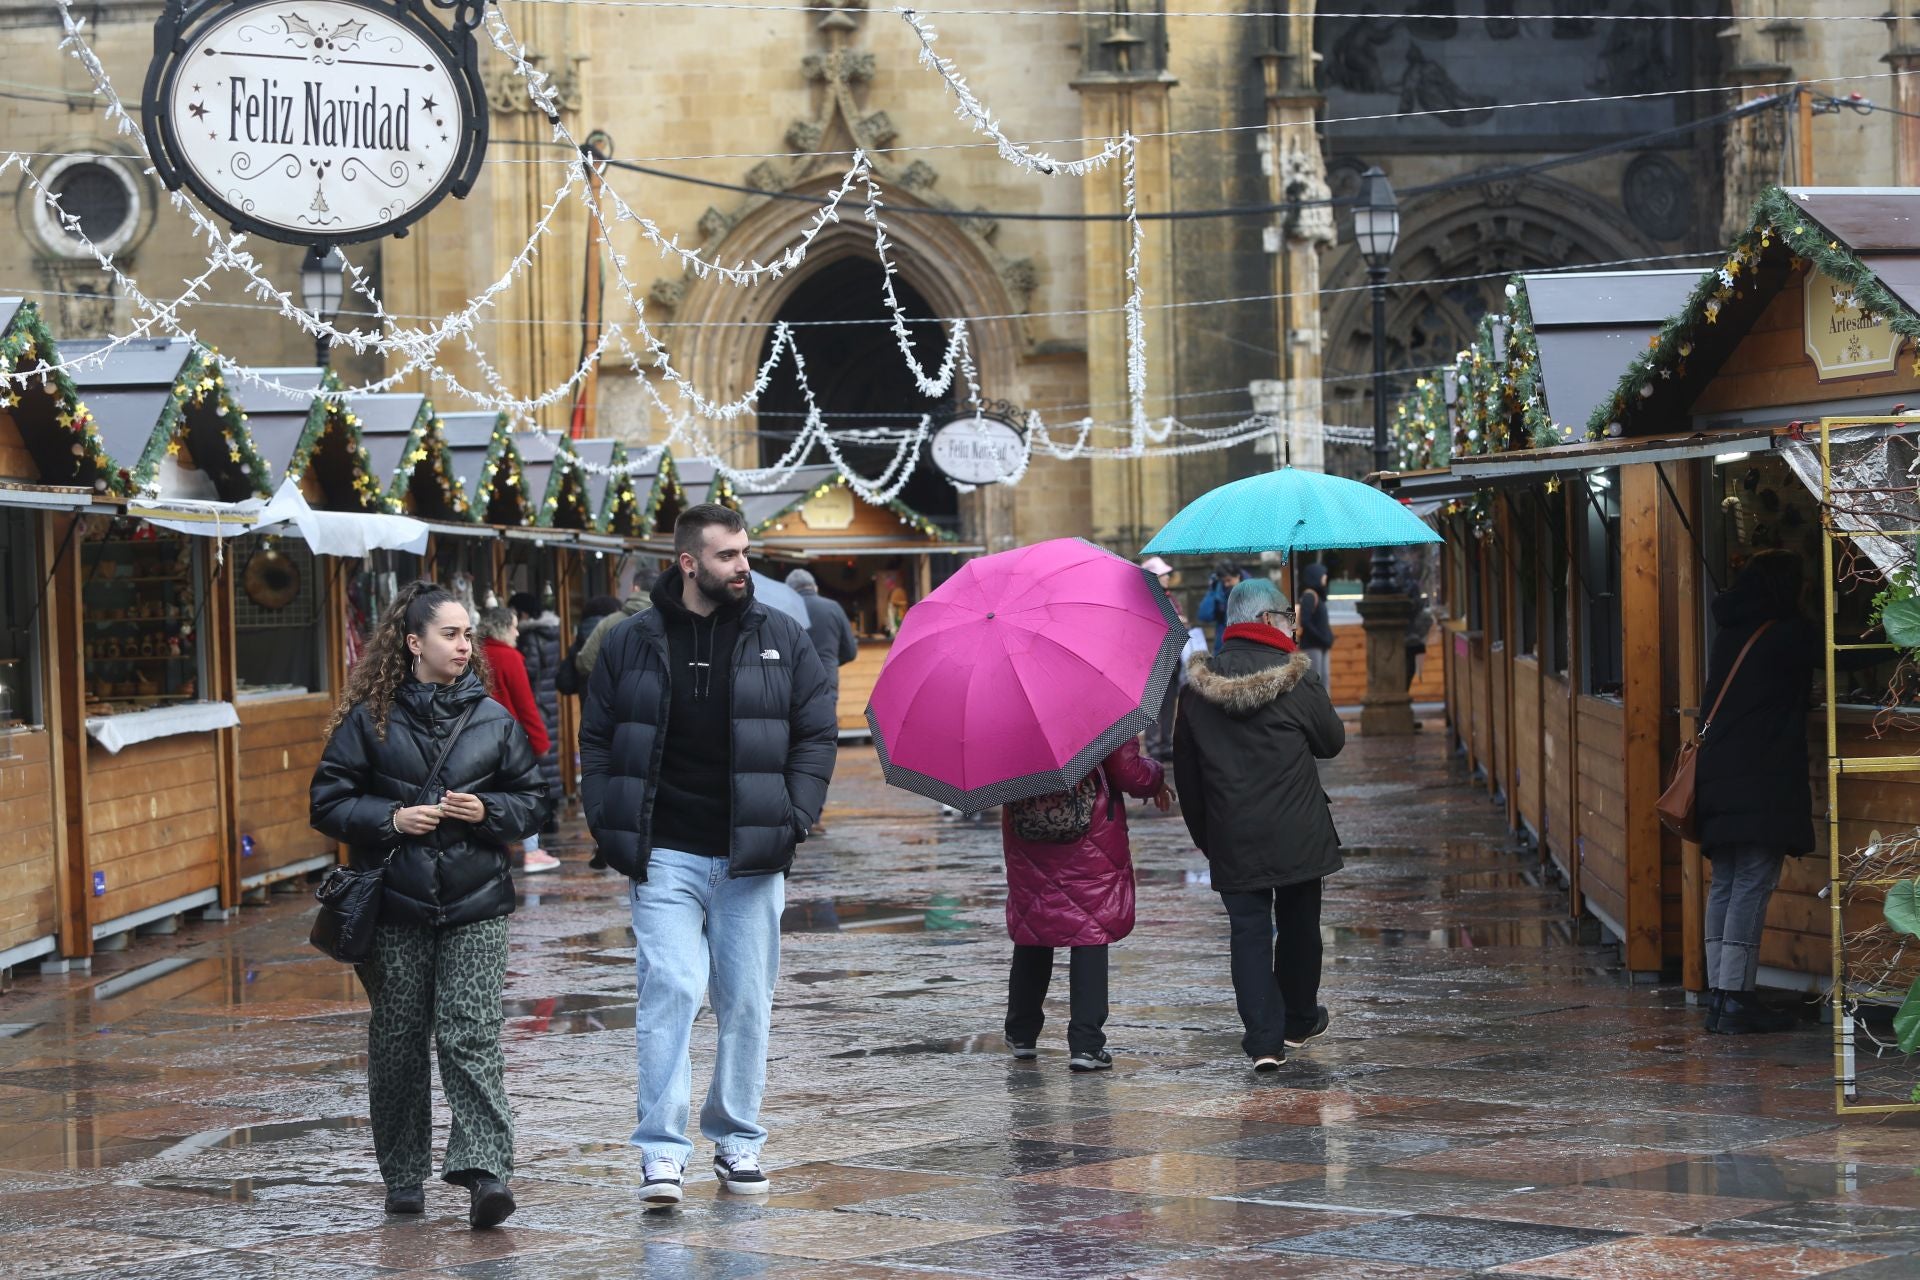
{"points": [[499, 634], [1071, 885]]}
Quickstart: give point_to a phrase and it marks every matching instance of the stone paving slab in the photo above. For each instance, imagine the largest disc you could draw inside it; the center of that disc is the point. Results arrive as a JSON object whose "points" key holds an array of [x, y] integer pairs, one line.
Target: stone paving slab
{"points": [[1493, 1097]]}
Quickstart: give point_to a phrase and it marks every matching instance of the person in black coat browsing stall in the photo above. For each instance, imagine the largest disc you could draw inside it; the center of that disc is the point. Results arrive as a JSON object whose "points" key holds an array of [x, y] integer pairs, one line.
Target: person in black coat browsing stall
{"points": [[439, 957], [1753, 793]]}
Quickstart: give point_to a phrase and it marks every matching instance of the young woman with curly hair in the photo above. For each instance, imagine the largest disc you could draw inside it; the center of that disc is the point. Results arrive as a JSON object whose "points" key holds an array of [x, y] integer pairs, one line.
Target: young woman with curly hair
{"points": [[440, 951]]}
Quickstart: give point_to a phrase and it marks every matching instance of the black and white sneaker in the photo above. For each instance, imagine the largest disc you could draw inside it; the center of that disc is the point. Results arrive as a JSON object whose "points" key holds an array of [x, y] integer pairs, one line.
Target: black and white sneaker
{"points": [[1022, 1052], [661, 1182], [740, 1173], [1318, 1029], [1084, 1062]]}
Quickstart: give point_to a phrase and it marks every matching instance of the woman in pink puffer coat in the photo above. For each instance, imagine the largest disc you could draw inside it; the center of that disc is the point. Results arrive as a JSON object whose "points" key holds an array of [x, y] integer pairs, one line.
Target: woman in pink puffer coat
{"points": [[1078, 894]]}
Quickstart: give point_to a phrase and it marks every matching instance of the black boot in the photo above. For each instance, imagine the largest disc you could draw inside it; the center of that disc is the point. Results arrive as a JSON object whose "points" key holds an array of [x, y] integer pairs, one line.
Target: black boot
{"points": [[492, 1203], [1742, 1013], [407, 1199], [1716, 1004]]}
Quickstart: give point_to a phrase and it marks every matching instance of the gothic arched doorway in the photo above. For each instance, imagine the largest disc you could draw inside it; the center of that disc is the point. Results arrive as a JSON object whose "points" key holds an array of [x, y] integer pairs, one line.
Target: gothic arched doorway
{"points": [[859, 378]]}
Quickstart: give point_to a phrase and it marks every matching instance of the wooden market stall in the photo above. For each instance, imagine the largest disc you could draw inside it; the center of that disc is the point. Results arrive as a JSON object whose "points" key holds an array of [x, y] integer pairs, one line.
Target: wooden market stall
{"points": [[874, 560], [1599, 538], [150, 601], [50, 458]]}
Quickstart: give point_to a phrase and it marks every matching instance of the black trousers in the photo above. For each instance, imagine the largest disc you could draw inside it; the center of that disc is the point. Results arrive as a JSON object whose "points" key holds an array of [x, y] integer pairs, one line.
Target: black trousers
{"points": [[1275, 959], [1087, 996]]}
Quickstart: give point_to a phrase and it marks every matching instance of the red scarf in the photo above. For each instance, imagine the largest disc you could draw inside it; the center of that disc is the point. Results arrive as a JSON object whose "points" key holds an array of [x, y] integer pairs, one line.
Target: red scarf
{"points": [[1261, 633]]}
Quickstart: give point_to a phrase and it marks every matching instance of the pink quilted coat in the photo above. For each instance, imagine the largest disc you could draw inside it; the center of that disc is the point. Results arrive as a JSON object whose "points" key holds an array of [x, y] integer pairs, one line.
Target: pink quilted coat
{"points": [[1080, 894]]}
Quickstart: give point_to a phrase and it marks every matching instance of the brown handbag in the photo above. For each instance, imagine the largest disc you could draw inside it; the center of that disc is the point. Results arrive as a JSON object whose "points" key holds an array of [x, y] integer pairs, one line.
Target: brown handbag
{"points": [[1675, 805]]}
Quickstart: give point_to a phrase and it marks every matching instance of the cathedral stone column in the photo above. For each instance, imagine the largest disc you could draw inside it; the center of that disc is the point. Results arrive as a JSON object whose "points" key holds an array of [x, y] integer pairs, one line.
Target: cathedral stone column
{"points": [[1904, 58], [1124, 87]]}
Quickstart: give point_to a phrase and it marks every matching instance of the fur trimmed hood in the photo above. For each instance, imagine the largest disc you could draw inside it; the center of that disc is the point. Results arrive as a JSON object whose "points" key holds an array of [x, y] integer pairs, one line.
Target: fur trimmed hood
{"points": [[1244, 695]]}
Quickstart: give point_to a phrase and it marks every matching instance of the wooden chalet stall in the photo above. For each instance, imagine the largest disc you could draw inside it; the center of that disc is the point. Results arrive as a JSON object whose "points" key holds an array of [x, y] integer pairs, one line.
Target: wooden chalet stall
{"points": [[291, 628], [50, 460], [875, 560], [1686, 464], [468, 555], [148, 607]]}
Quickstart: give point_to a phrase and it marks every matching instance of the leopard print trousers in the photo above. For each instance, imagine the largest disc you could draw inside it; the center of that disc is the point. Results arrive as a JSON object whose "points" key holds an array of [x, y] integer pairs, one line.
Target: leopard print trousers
{"points": [[439, 985]]}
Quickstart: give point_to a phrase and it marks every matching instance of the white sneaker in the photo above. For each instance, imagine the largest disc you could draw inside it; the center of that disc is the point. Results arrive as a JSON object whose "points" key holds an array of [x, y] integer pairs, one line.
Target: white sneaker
{"points": [[740, 1173], [538, 860], [660, 1181]]}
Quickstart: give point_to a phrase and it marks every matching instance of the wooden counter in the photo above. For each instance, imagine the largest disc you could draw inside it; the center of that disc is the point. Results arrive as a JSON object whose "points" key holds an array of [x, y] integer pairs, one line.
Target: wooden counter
{"points": [[280, 744]]}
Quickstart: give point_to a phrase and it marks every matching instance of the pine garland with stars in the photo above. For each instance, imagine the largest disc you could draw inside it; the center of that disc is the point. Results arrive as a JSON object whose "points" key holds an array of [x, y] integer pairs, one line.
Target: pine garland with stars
{"points": [[27, 344], [198, 383]]}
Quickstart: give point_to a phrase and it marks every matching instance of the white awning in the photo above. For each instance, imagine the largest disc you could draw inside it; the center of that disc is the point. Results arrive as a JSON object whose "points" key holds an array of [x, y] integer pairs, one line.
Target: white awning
{"points": [[350, 534]]}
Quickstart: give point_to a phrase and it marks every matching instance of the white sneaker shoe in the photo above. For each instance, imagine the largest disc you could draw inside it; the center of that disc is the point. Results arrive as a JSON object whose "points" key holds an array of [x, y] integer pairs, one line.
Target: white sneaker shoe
{"points": [[740, 1173], [538, 860], [661, 1181]]}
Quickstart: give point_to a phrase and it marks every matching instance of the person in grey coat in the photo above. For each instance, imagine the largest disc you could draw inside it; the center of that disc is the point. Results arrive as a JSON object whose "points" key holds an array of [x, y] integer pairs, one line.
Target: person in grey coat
{"points": [[832, 637], [1253, 720], [540, 646]]}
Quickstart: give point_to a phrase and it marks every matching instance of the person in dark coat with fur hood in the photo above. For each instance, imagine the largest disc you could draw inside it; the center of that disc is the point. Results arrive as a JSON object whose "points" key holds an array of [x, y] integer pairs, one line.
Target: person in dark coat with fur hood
{"points": [[1253, 720]]}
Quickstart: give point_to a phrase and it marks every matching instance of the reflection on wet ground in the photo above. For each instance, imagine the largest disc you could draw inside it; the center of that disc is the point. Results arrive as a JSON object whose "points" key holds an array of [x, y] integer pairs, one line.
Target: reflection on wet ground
{"points": [[1493, 1098]]}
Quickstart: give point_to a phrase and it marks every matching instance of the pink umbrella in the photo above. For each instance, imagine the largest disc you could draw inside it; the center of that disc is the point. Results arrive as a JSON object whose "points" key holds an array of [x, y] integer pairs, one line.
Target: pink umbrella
{"points": [[1018, 675]]}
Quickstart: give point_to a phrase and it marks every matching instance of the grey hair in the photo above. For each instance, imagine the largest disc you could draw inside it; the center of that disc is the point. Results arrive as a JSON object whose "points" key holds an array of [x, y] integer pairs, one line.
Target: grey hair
{"points": [[1253, 597], [496, 623], [802, 581]]}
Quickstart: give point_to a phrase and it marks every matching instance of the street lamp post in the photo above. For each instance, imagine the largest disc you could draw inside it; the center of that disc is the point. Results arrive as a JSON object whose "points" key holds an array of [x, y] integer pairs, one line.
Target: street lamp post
{"points": [[322, 285], [1376, 226], [1384, 612]]}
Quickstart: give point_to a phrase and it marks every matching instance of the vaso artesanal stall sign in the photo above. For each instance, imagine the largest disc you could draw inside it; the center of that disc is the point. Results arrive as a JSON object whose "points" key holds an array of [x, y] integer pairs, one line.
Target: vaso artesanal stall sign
{"points": [[317, 122]]}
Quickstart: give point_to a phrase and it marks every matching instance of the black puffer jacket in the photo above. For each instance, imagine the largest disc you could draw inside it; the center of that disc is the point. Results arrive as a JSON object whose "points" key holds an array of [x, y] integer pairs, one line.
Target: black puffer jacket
{"points": [[456, 874], [1751, 780], [540, 646], [784, 737], [1253, 719]]}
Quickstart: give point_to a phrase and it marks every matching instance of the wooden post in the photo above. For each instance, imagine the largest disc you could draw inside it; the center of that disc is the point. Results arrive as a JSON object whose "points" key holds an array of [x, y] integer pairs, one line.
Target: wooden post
{"points": [[1689, 667], [223, 684], [1543, 645], [1509, 628], [1642, 712], [66, 712]]}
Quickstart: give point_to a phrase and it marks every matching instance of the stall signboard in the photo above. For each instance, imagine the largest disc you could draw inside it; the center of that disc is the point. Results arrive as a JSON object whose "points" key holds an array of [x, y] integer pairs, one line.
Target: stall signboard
{"points": [[978, 450], [316, 122], [1844, 338]]}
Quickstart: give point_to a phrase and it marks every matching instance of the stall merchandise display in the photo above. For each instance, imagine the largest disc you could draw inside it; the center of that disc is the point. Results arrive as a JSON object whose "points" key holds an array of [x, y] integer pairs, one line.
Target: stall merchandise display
{"points": [[141, 645]]}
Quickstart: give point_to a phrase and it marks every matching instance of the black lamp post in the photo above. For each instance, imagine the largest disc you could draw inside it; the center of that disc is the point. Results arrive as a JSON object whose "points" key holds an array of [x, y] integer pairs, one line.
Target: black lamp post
{"points": [[322, 285], [1376, 226]]}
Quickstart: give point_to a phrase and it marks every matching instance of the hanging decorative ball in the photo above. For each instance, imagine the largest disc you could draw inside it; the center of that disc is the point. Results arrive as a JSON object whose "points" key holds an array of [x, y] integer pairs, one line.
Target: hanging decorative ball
{"points": [[1614, 429], [1646, 391], [1513, 290]]}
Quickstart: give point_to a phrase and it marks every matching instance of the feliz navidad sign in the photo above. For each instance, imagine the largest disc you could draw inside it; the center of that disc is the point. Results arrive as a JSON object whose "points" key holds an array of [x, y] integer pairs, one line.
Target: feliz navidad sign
{"points": [[317, 122]]}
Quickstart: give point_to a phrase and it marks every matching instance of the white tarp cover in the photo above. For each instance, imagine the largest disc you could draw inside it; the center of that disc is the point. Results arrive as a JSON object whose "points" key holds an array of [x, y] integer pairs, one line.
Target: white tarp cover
{"points": [[116, 732], [1873, 485], [351, 534]]}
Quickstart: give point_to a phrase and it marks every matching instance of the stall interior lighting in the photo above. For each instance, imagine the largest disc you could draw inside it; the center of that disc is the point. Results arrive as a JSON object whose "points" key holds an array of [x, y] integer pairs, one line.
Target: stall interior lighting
{"points": [[1598, 480], [1724, 458]]}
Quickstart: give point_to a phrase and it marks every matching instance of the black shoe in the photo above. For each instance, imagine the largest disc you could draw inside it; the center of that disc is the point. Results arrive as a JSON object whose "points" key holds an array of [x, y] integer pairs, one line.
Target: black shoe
{"points": [[1022, 1052], [1099, 1060], [1716, 1005], [492, 1202], [1268, 1063], [1743, 1014], [597, 862], [1318, 1029], [407, 1199]]}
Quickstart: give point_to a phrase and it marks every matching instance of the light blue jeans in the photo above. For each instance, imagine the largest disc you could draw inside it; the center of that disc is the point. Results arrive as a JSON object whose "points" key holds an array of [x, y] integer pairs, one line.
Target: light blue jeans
{"points": [[697, 932]]}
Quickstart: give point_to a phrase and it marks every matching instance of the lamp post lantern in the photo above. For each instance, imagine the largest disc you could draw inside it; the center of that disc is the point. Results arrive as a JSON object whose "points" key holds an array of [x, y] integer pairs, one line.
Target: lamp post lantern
{"points": [[322, 285], [1376, 227]]}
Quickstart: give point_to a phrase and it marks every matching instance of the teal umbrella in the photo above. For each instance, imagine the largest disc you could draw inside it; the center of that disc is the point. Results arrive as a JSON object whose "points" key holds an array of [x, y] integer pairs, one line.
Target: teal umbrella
{"points": [[1288, 511]]}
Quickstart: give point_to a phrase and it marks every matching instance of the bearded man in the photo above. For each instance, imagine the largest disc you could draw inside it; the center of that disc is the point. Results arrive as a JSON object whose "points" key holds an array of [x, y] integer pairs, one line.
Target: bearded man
{"points": [[706, 745]]}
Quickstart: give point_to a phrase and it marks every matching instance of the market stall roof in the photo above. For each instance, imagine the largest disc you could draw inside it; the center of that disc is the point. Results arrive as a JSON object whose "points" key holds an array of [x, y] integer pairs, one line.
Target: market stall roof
{"points": [[14, 493], [155, 399], [301, 429], [653, 476], [390, 426], [56, 429], [701, 480], [1587, 325], [806, 483], [1526, 465], [771, 516], [468, 436], [1867, 239], [555, 488], [824, 547], [601, 486]]}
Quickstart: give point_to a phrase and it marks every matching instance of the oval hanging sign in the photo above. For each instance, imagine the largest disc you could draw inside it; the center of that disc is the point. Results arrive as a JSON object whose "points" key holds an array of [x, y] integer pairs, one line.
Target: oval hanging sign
{"points": [[978, 450], [316, 122]]}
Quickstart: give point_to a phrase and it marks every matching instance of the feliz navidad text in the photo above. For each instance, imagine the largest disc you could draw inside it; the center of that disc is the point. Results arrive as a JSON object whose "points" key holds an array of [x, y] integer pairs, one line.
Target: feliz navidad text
{"points": [[261, 111]]}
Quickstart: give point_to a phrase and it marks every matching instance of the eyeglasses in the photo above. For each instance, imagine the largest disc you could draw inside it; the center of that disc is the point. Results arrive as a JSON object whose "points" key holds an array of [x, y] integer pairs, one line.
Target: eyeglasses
{"points": [[1285, 616]]}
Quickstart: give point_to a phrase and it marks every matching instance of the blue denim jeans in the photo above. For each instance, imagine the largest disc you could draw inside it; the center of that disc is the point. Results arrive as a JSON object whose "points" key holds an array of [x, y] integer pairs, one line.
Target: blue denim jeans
{"points": [[698, 933]]}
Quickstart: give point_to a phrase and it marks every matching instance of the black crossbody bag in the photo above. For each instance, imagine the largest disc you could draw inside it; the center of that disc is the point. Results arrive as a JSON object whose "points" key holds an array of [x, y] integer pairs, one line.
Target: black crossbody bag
{"points": [[350, 898]]}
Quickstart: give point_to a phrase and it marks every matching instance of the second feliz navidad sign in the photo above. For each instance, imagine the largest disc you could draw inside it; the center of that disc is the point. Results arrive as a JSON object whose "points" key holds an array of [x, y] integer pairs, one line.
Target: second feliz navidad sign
{"points": [[317, 121]]}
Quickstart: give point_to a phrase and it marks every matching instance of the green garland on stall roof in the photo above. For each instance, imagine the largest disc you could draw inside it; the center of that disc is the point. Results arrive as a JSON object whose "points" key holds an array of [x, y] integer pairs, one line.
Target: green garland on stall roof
{"points": [[28, 342], [502, 453], [1775, 217], [416, 450], [1523, 372], [1420, 427], [197, 379], [665, 480]]}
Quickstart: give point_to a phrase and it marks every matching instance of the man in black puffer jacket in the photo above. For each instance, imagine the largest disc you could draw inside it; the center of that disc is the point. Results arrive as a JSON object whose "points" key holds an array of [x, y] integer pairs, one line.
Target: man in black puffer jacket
{"points": [[706, 744]]}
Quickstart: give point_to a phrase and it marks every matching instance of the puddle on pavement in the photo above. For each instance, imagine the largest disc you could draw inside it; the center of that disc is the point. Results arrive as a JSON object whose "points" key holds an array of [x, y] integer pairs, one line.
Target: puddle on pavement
{"points": [[567, 1015], [992, 1044], [238, 1190], [618, 938], [1199, 876], [1457, 937], [814, 977], [939, 914]]}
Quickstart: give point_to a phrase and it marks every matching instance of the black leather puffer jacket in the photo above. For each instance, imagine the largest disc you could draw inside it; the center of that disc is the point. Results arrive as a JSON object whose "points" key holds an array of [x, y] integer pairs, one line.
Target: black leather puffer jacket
{"points": [[785, 737], [456, 874]]}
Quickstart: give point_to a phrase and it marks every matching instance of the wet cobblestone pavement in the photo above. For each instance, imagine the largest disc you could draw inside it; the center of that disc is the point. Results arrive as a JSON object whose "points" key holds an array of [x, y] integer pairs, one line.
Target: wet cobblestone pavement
{"points": [[1492, 1099]]}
